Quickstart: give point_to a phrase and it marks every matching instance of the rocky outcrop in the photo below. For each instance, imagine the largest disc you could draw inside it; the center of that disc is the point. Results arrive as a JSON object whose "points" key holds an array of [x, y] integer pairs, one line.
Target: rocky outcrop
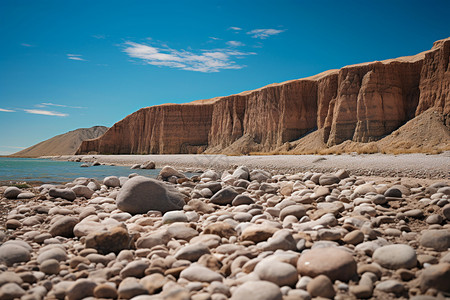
{"points": [[361, 103]]}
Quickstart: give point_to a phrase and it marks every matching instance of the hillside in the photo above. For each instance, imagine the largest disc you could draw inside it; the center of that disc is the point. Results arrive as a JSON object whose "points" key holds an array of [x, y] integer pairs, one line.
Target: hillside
{"points": [[337, 109], [63, 144]]}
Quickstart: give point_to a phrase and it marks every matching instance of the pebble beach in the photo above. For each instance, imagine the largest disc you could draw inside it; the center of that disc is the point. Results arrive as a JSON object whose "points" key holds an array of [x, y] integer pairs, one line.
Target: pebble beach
{"points": [[235, 231]]}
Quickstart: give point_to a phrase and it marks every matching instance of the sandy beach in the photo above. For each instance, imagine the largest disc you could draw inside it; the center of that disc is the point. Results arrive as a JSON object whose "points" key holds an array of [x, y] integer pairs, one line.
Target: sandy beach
{"points": [[404, 165]]}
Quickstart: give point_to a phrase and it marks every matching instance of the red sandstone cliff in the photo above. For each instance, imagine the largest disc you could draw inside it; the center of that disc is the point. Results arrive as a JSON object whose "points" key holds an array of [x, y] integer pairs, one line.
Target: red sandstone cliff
{"points": [[362, 103]]}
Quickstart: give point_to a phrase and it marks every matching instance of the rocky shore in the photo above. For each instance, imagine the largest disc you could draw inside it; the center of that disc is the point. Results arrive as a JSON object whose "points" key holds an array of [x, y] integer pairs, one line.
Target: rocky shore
{"points": [[241, 233], [385, 165]]}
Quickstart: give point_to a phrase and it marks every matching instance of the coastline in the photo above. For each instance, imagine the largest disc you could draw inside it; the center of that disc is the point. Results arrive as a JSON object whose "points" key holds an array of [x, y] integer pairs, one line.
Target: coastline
{"points": [[369, 165]]}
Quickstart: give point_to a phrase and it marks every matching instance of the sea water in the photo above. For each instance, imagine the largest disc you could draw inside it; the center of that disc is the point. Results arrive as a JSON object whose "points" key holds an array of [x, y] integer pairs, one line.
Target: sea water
{"points": [[50, 171]]}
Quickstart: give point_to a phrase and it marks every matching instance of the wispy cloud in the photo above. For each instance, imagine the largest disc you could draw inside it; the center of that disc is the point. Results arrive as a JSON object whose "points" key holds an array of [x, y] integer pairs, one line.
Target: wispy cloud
{"points": [[200, 61], [235, 28], [44, 104], [7, 110], [45, 112], [75, 57], [264, 33], [214, 38], [26, 45], [235, 44], [99, 36]]}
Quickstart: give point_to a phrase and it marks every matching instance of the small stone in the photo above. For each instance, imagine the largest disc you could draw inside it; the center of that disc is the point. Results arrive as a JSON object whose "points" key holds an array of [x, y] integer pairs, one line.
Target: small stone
{"points": [[281, 240], [390, 286], [80, 289], [393, 192], [130, 287], [434, 219], [446, 211], [168, 171], [395, 256], [277, 272], [135, 166], [11, 192], [148, 165], [10, 277], [25, 195], [436, 277], [50, 266], [222, 229], [258, 233], [328, 179], [174, 216], [63, 227], [439, 240], [354, 238], [414, 213], [261, 290], [134, 269], [62, 193], [11, 291], [192, 252], [13, 224], [242, 200], [111, 181], [83, 191], [321, 286], [153, 282], [336, 264], [365, 188], [141, 194], [115, 240], [224, 196], [52, 253], [200, 273], [379, 200], [105, 290], [293, 210], [13, 253]]}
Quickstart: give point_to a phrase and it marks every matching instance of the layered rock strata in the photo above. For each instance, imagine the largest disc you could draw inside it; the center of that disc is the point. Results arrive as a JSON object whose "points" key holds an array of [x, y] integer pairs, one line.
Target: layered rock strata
{"points": [[362, 103]]}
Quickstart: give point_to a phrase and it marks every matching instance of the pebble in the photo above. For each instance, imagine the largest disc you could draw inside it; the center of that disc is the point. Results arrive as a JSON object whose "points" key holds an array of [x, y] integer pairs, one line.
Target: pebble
{"points": [[261, 290], [439, 240], [200, 273], [321, 286], [336, 264], [141, 194], [281, 236], [395, 256], [62, 193], [280, 273], [80, 289], [11, 192]]}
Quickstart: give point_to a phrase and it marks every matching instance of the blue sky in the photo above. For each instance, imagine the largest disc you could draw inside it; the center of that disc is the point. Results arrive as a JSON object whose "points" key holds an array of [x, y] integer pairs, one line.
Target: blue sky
{"points": [[71, 64]]}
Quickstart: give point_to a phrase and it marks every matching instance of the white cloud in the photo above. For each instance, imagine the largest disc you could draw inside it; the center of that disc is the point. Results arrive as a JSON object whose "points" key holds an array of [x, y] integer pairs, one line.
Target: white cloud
{"points": [[75, 57], [99, 36], [59, 105], [200, 61], [7, 110], [214, 38], [235, 44], [26, 45], [45, 112], [235, 28], [264, 33]]}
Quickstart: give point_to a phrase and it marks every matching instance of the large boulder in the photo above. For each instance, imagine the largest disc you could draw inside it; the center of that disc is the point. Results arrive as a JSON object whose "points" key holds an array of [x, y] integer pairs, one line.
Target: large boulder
{"points": [[12, 192], [141, 194]]}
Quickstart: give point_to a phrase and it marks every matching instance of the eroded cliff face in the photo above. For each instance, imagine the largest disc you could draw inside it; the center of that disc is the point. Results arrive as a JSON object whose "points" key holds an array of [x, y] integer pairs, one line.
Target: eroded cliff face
{"points": [[363, 103]]}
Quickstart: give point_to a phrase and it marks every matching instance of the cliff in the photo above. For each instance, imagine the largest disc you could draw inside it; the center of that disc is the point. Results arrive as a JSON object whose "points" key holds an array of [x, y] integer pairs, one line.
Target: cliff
{"points": [[63, 144], [359, 103]]}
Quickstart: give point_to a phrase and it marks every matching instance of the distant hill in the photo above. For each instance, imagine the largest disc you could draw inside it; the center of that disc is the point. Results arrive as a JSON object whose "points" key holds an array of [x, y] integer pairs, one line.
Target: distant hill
{"points": [[63, 144]]}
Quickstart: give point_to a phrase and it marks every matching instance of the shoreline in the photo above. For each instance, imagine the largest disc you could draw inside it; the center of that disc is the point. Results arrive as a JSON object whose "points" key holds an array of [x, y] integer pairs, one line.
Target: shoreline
{"points": [[369, 165]]}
